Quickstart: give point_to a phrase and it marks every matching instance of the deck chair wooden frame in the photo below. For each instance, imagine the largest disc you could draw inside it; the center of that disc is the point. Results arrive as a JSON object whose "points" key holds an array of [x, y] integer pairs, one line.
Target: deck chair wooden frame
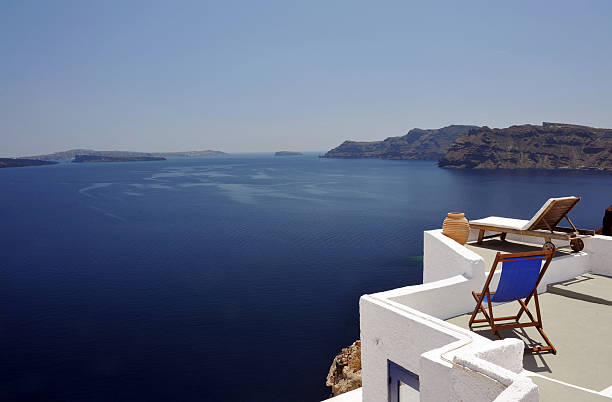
{"points": [[504, 322], [544, 224]]}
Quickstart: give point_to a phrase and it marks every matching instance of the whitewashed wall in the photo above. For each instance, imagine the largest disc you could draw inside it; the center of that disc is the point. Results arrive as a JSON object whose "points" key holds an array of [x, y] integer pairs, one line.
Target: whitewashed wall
{"points": [[396, 334], [405, 326], [599, 249], [452, 363], [443, 258]]}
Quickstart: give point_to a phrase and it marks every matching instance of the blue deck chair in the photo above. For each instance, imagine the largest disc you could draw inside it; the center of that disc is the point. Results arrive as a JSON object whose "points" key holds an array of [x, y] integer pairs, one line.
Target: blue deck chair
{"points": [[520, 277]]}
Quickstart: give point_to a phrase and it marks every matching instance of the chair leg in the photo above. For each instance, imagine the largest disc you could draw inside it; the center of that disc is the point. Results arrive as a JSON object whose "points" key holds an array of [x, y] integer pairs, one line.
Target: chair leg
{"points": [[524, 305], [538, 326], [537, 304], [479, 307], [491, 317], [478, 299], [550, 346], [526, 310]]}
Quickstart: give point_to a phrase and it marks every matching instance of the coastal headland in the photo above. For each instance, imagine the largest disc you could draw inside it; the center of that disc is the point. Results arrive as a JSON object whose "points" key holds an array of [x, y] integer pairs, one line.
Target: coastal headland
{"points": [[527, 146], [549, 146], [416, 144]]}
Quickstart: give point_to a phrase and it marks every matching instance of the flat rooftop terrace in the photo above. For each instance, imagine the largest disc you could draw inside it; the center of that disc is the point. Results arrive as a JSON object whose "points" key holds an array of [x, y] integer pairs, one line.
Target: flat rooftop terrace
{"points": [[577, 317]]}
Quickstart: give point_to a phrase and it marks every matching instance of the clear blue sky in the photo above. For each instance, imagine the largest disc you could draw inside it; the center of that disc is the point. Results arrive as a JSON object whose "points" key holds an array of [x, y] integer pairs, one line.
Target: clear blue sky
{"points": [[281, 75]]}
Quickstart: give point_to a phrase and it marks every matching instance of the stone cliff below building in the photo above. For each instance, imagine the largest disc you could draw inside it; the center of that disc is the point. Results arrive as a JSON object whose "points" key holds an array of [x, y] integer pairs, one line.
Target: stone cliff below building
{"points": [[416, 144], [549, 146], [345, 371]]}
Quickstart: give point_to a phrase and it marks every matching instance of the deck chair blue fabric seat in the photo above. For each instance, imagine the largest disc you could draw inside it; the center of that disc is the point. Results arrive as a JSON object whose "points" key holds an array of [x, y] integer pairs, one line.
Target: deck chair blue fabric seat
{"points": [[520, 277]]}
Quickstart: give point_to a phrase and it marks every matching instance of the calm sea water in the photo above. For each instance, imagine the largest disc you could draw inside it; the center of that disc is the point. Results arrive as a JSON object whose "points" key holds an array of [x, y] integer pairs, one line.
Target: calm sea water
{"points": [[221, 279]]}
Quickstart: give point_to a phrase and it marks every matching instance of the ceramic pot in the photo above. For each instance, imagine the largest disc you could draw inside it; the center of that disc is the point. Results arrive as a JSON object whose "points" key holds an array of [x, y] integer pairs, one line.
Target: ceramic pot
{"points": [[456, 227]]}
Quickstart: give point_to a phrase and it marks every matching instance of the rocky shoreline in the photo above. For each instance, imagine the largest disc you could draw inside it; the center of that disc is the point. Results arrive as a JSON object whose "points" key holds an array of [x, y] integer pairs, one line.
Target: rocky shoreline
{"points": [[345, 371]]}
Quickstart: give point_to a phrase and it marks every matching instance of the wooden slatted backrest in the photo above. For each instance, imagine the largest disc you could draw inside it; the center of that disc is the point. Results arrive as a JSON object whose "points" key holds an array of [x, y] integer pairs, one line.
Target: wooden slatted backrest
{"points": [[553, 215]]}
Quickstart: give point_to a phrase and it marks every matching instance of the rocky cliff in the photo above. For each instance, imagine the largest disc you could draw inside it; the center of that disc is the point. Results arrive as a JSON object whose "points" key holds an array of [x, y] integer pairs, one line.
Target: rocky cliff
{"points": [[416, 144], [345, 371], [549, 146]]}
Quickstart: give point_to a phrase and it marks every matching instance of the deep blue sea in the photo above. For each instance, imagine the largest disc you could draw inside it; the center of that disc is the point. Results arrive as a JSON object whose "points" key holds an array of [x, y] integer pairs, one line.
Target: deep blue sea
{"points": [[222, 279]]}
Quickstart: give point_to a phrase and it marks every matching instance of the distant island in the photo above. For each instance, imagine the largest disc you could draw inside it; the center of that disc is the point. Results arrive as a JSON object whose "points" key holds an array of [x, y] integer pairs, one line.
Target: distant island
{"points": [[99, 158], [287, 153], [549, 146], [71, 154], [416, 144], [527, 146], [12, 162]]}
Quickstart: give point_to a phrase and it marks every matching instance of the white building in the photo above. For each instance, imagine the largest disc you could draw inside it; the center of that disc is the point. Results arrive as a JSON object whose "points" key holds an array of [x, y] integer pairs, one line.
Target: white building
{"points": [[416, 344]]}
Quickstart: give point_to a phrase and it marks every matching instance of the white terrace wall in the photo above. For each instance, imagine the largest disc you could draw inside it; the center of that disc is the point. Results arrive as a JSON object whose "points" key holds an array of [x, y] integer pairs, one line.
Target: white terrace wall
{"points": [[452, 363], [444, 258], [476, 372], [599, 249], [390, 333], [451, 272], [442, 299], [404, 325]]}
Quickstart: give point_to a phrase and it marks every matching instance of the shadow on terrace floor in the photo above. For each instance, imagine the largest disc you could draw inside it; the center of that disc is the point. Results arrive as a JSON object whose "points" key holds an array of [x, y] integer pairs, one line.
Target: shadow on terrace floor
{"points": [[577, 318]]}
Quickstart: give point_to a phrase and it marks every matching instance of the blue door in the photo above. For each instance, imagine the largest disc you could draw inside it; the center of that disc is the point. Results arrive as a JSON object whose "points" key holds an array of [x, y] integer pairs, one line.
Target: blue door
{"points": [[403, 384]]}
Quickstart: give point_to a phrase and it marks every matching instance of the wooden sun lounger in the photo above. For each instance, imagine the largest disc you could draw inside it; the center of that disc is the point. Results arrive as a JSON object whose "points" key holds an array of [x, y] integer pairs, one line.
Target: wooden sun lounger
{"points": [[543, 224]]}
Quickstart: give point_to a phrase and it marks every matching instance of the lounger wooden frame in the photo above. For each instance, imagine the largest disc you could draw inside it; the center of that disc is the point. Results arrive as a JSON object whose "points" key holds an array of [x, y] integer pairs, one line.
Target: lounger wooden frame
{"points": [[491, 319], [546, 226]]}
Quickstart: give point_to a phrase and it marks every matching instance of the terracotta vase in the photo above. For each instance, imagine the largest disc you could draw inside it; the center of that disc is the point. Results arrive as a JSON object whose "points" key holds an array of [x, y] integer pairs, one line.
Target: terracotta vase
{"points": [[456, 227]]}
